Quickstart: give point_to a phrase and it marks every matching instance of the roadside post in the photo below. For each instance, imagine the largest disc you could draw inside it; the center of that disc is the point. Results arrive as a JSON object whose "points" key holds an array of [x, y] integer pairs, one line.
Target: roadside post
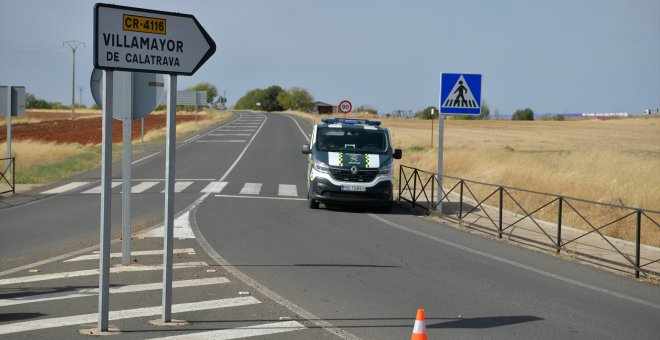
{"points": [[12, 101], [136, 95], [432, 112], [143, 40], [460, 94]]}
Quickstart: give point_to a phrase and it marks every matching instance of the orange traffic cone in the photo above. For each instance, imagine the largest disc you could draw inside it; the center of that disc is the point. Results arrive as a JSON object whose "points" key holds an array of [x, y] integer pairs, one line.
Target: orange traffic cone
{"points": [[419, 331]]}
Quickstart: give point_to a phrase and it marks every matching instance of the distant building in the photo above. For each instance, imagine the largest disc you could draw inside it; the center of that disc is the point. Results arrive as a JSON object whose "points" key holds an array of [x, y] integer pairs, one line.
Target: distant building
{"points": [[322, 108]]}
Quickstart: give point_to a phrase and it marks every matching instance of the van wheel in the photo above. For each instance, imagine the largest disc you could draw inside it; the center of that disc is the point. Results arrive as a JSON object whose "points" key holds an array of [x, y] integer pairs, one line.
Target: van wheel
{"points": [[312, 203]]}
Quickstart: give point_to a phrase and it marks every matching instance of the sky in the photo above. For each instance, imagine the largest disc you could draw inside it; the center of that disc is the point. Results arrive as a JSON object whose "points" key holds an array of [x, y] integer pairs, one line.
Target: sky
{"points": [[559, 56]]}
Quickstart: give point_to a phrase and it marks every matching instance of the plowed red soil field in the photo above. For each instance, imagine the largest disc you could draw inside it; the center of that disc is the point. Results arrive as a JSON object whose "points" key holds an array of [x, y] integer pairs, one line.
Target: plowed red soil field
{"points": [[86, 129]]}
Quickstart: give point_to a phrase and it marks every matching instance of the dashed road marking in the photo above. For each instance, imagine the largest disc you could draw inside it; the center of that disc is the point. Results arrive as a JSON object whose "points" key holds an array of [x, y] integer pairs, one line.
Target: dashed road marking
{"points": [[88, 272], [287, 190], [64, 188], [124, 314], [251, 189], [82, 292], [214, 187], [134, 253], [242, 332]]}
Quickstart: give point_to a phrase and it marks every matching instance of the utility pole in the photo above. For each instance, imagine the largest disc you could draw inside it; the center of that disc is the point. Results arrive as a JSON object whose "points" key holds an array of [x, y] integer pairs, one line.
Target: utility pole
{"points": [[73, 44]]}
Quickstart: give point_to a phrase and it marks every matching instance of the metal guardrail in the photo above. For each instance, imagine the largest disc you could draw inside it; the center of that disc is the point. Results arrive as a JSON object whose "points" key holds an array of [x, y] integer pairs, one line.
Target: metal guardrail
{"points": [[419, 188], [3, 175]]}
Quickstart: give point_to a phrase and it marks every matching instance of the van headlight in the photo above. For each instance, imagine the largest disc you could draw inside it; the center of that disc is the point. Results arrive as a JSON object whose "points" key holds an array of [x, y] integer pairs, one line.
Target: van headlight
{"points": [[321, 167], [385, 170]]}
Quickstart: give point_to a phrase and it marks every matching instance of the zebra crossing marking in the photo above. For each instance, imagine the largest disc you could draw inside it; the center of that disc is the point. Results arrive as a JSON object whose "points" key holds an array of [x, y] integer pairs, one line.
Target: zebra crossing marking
{"points": [[180, 186], [251, 189], [134, 253], [287, 190], [142, 187], [82, 292], [221, 141], [125, 314], [241, 332], [214, 187], [97, 190], [88, 272], [64, 188], [182, 229]]}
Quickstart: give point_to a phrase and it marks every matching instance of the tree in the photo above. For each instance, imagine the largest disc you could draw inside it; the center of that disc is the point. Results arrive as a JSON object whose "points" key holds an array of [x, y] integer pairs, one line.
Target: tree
{"points": [[366, 109], [426, 113], [268, 98], [301, 99], [524, 114], [249, 100], [485, 110], [211, 91]]}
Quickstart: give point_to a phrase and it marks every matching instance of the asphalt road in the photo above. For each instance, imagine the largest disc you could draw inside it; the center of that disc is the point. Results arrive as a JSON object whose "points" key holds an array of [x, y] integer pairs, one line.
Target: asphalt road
{"points": [[352, 272]]}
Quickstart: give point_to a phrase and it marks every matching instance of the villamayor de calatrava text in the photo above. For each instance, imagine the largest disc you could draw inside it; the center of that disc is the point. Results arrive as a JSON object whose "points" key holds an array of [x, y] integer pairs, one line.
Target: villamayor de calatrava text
{"points": [[150, 46]]}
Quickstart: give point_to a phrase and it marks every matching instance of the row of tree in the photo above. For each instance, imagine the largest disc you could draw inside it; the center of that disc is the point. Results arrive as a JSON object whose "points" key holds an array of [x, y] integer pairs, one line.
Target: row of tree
{"points": [[275, 98], [523, 114]]}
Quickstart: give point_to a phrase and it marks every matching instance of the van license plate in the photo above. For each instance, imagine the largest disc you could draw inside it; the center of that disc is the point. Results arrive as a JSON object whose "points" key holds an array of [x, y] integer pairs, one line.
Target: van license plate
{"points": [[353, 188]]}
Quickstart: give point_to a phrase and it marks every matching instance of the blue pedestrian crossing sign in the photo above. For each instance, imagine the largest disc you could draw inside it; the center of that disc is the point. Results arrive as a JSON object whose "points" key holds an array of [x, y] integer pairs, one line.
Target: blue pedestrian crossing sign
{"points": [[460, 93]]}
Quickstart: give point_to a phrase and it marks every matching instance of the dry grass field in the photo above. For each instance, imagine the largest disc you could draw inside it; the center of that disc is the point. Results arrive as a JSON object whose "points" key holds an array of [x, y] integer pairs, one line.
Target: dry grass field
{"points": [[608, 161]]}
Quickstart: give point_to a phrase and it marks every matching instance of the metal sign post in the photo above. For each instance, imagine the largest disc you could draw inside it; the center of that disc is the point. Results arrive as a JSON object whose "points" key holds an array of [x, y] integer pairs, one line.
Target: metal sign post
{"points": [[106, 181], [169, 200], [460, 94], [144, 40], [432, 112], [8, 119], [126, 171]]}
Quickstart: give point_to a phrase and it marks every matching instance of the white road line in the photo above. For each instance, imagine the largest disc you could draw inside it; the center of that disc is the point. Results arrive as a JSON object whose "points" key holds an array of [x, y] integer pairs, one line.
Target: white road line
{"points": [[121, 269], [221, 141], [180, 186], [287, 190], [264, 197], [144, 158], [64, 188], [229, 134], [81, 292], [251, 189], [124, 314], [134, 253], [182, 229], [214, 187], [241, 332], [97, 190], [142, 187]]}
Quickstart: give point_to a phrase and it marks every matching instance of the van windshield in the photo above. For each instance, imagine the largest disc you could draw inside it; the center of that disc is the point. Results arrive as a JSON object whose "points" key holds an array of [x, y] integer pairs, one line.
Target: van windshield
{"points": [[355, 139]]}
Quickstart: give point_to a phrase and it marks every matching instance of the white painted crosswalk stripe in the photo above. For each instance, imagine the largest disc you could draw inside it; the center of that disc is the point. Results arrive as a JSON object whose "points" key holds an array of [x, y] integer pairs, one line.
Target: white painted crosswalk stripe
{"points": [[97, 190], [221, 141], [82, 292], [287, 190], [65, 188], [142, 187], [251, 189], [180, 186], [88, 272], [241, 332], [214, 187], [125, 314], [133, 253]]}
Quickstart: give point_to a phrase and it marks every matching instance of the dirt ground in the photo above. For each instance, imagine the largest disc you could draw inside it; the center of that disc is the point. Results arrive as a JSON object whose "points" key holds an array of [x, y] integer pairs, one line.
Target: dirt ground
{"points": [[86, 129]]}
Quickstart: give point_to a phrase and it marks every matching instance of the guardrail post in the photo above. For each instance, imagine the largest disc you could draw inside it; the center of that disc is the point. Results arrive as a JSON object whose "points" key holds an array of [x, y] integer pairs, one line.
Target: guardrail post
{"points": [[13, 175], [501, 209], [414, 198], [400, 172], [460, 204], [559, 214], [637, 243], [432, 192]]}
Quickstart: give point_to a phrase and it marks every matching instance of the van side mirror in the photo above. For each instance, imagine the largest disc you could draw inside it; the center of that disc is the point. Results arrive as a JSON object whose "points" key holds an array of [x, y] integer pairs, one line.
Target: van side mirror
{"points": [[305, 149], [397, 154]]}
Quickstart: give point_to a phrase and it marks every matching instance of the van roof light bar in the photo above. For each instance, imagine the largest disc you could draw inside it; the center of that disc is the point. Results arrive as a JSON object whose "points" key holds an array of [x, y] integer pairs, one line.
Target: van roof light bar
{"points": [[350, 121]]}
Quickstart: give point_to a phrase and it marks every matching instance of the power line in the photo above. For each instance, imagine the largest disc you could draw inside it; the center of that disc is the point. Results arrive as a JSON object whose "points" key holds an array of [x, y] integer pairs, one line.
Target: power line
{"points": [[73, 44]]}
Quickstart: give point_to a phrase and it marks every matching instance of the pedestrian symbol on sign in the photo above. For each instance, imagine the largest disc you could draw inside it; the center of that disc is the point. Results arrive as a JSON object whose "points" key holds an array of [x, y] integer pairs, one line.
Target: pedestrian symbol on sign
{"points": [[460, 96]]}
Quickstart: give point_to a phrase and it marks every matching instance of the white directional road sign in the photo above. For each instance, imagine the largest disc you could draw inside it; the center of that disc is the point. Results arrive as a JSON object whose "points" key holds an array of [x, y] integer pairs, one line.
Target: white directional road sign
{"points": [[136, 39], [460, 93]]}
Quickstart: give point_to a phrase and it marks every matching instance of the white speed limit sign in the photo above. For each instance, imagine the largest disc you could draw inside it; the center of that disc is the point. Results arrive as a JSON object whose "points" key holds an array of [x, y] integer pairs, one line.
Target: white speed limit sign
{"points": [[345, 106]]}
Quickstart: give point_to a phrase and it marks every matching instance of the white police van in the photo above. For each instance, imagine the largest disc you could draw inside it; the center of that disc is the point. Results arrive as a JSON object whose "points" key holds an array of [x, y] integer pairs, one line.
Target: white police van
{"points": [[350, 163]]}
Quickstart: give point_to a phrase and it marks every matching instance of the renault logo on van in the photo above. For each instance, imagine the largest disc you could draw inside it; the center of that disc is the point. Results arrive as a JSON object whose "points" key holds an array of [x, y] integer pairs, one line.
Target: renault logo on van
{"points": [[354, 170]]}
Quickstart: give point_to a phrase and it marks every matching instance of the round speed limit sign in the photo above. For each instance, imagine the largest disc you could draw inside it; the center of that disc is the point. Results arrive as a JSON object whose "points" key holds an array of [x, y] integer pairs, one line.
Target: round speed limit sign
{"points": [[345, 106]]}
